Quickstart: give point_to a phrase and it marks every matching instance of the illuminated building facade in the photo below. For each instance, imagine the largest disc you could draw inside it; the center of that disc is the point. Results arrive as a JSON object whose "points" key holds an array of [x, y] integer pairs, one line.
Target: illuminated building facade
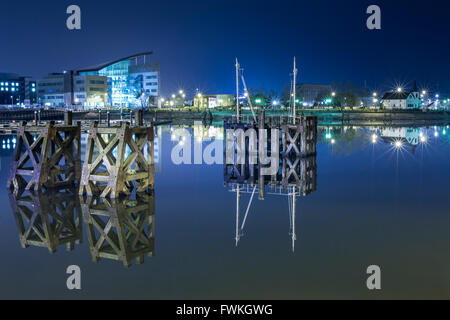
{"points": [[16, 89], [128, 79], [214, 100]]}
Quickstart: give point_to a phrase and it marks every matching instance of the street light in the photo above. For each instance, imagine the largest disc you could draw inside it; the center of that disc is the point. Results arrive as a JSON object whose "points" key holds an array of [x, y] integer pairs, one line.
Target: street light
{"points": [[180, 92], [333, 94], [399, 89], [374, 94]]}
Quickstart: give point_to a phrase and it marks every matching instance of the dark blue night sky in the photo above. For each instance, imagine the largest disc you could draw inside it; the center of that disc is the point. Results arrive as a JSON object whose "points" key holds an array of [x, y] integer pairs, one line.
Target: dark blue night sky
{"points": [[196, 41]]}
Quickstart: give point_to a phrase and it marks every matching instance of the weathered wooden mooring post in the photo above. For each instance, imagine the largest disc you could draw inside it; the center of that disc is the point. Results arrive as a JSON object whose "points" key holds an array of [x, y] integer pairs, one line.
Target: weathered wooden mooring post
{"points": [[115, 158], [120, 229], [46, 156]]}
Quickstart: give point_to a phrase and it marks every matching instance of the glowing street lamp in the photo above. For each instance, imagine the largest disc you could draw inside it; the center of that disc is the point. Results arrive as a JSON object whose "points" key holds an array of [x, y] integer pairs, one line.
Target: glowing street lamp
{"points": [[374, 94], [399, 89], [181, 92], [173, 96], [424, 92], [274, 102], [333, 94]]}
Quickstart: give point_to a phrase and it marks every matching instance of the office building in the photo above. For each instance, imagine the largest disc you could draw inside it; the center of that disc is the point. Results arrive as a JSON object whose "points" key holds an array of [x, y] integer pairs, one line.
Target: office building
{"points": [[128, 79], [17, 90]]}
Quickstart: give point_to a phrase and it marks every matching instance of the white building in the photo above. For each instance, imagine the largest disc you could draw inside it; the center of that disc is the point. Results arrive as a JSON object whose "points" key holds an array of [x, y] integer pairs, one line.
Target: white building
{"points": [[402, 100]]}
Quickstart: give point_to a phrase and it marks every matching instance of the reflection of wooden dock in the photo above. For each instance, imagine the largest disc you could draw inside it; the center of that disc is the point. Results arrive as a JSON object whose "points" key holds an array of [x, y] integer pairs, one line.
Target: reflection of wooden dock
{"points": [[120, 229], [47, 219], [294, 153]]}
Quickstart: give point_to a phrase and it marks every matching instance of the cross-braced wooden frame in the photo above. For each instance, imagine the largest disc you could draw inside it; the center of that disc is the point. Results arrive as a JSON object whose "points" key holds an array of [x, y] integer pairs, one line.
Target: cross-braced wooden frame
{"points": [[47, 219], [115, 158], [299, 140], [120, 229], [46, 156]]}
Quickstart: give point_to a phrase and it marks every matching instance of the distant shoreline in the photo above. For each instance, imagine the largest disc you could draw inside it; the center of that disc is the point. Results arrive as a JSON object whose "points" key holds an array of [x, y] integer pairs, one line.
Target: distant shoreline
{"points": [[325, 117]]}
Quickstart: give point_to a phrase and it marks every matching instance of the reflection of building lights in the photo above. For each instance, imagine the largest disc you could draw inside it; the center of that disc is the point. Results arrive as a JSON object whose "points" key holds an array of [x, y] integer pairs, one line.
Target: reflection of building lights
{"points": [[423, 139], [332, 141], [328, 135], [173, 137], [444, 132], [436, 134], [374, 138]]}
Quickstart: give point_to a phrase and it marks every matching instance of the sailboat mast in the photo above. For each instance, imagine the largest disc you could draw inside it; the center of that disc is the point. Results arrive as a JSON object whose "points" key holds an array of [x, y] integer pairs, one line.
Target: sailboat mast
{"points": [[293, 90], [237, 90]]}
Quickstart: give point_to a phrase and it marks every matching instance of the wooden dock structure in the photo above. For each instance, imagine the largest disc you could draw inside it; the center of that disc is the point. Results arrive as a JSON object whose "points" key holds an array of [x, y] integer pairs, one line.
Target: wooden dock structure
{"points": [[108, 171], [46, 156], [296, 145], [118, 158]]}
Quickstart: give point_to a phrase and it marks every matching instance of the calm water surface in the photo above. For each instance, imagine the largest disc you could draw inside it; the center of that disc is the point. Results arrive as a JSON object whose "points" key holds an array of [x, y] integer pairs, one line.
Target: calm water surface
{"points": [[382, 201]]}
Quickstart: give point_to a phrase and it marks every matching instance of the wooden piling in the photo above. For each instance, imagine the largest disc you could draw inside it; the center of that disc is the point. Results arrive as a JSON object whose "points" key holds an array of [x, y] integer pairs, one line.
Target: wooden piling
{"points": [[109, 169], [46, 156]]}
